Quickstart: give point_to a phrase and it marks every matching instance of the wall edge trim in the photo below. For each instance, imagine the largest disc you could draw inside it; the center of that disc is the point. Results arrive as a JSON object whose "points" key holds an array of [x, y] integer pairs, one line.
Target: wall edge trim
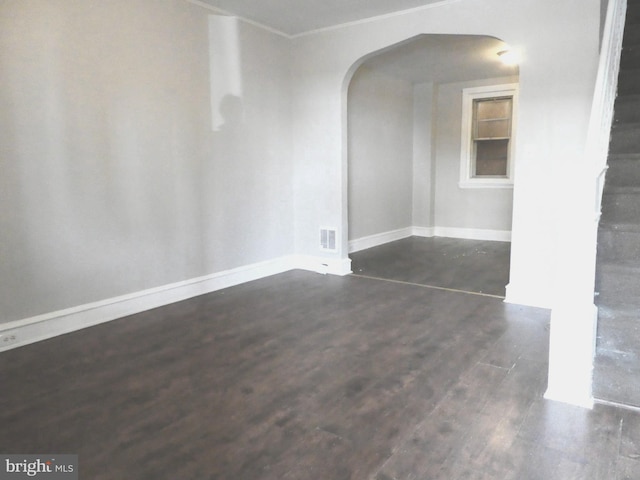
{"points": [[377, 239], [473, 234], [49, 325], [53, 324]]}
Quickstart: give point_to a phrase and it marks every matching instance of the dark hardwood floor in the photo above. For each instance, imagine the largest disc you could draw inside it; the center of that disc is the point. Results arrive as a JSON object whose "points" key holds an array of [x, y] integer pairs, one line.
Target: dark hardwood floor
{"points": [[469, 265], [304, 376]]}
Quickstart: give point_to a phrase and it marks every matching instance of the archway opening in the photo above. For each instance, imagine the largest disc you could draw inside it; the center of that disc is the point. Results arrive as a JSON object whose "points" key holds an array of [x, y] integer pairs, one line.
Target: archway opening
{"points": [[417, 210]]}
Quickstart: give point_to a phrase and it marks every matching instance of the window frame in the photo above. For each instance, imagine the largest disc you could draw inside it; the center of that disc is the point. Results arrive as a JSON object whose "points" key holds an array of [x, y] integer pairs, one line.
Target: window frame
{"points": [[469, 95]]}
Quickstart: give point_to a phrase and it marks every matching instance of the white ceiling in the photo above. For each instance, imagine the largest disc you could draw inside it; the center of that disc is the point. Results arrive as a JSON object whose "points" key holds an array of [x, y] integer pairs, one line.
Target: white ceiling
{"points": [[293, 17], [428, 58], [443, 59]]}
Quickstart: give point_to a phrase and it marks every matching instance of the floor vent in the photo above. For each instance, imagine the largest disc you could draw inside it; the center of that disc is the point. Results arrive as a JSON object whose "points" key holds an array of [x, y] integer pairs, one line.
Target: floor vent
{"points": [[328, 239]]}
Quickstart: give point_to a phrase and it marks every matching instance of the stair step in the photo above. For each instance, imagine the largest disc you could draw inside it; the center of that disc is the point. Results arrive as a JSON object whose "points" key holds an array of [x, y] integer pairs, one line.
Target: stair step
{"points": [[631, 35], [627, 109], [616, 377], [621, 205], [617, 362], [626, 191], [625, 138], [617, 246], [619, 227], [615, 157], [630, 57], [633, 14], [618, 331], [623, 171], [618, 288], [629, 81]]}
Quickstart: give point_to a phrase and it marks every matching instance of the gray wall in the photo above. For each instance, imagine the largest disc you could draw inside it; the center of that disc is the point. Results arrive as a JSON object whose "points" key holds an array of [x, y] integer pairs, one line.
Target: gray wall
{"points": [[455, 207], [604, 4], [555, 99], [423, 147], [404, 159], [113, 178], [380, 132]]}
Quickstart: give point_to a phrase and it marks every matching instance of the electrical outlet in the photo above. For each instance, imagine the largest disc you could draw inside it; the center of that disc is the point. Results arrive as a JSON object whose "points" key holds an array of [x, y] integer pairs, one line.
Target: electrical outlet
{"points": [[8, 339]]}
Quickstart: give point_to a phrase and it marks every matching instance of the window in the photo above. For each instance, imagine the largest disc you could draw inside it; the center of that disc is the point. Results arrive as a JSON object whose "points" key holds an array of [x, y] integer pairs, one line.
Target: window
{"points": [[488, 128]]}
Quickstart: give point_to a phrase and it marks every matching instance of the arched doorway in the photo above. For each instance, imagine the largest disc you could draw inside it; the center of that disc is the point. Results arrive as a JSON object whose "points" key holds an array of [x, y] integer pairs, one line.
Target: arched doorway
{"points": [[405, 123]]}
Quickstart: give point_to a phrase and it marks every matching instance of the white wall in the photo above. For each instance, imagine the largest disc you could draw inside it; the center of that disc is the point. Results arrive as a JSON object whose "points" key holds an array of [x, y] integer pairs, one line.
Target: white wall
{"points": [[555, 99], [603, 15], [380, 111], [404, 160], [249, 197], [424, 171], [113, 179], [455, 207]]}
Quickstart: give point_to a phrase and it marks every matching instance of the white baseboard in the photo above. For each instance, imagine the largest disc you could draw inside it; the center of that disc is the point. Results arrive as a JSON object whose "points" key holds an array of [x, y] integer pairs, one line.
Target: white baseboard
{"points": [[393, 235], [423, 232], [379, 239], [522, 295], [41, 327], [570, 398], [30, 330], [333, 266], [473, 234]]}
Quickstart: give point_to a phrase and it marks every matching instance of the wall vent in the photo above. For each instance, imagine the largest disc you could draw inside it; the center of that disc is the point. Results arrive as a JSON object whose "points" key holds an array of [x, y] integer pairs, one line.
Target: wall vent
{"points": [[328, 239]]}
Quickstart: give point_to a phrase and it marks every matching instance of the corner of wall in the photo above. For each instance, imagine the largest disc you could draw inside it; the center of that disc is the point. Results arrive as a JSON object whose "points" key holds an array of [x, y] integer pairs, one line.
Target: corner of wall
{"points": [[379, 239], [571, 354], [323, 265], [526, 295]]}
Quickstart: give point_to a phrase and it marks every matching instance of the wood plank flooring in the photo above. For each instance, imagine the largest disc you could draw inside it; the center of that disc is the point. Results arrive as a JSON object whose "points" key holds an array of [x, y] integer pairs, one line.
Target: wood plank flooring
{"points": [[305, 376], [469, 265]]}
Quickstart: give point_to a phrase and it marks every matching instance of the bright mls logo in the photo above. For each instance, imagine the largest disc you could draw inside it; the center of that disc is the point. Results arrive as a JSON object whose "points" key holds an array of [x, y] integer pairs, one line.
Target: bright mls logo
{"points": [[51, 467]]}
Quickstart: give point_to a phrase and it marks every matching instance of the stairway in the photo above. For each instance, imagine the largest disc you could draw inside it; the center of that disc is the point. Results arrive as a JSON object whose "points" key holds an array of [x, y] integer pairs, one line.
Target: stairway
{"points": [[617, 363]]}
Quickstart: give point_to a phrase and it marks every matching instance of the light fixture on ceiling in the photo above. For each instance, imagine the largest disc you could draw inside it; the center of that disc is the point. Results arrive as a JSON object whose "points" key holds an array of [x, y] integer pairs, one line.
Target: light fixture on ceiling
{"points": [[509, 57]]}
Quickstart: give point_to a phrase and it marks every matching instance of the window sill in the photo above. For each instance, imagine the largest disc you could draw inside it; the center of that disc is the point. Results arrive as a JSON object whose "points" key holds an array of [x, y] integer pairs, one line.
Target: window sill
{"points": [[493, 183]]}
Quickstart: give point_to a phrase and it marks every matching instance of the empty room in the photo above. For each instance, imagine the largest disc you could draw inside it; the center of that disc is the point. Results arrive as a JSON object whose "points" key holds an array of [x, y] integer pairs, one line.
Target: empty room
{"points": [[339, 240]]}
